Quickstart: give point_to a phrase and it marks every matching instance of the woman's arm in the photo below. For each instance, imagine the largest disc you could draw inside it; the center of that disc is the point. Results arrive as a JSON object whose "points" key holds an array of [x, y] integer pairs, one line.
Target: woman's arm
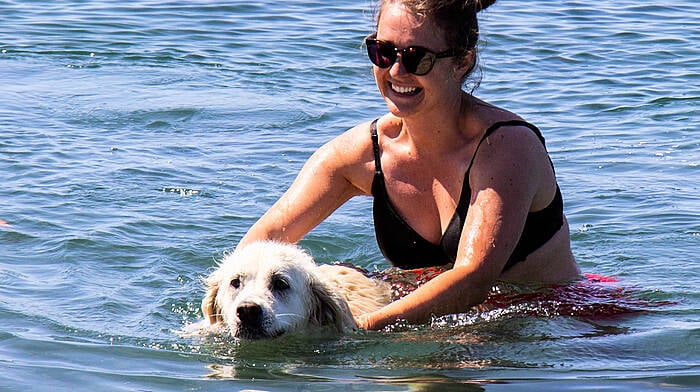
{"points": [[332, 175], [453, 291], [505, 180]]}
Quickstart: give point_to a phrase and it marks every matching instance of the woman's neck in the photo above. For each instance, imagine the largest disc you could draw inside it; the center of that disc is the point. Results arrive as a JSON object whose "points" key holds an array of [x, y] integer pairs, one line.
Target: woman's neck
{"points": [[442, 131]]}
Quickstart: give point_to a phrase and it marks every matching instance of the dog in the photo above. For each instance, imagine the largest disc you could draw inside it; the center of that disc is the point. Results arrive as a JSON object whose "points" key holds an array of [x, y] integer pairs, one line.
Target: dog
{"points": [[267, 289]]}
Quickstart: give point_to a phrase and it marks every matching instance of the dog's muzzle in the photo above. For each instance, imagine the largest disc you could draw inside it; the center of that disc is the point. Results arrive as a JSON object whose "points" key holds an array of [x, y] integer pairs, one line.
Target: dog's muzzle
{"points": [[251, 322], [250, 315]]}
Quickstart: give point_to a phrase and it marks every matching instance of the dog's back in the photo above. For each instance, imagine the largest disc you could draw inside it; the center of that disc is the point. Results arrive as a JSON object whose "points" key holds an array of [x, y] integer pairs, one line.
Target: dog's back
{"points": [[363, 295]]}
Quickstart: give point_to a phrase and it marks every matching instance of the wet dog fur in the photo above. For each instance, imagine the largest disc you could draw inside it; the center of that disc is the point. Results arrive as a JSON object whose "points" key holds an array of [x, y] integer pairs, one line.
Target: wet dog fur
{"points": [[267, 289]]}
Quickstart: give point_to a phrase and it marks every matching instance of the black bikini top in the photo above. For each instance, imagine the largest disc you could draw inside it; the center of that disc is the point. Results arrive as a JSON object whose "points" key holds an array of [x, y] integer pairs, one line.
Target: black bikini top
{"points": [[405, 248]]}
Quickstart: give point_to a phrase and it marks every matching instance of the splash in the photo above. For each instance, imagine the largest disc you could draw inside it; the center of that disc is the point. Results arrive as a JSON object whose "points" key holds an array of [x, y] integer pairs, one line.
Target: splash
{"points": [[182, 191], [593, 296]]}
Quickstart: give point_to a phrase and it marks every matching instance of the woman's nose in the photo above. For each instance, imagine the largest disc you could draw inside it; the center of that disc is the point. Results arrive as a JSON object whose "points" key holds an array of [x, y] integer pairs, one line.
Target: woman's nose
{"points": [[397, 68]]}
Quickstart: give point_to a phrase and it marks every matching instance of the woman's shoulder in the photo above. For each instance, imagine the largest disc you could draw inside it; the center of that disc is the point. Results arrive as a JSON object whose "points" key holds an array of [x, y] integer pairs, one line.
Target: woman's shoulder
{"points": [[509, 126], [350, 154], [358, 139], [510, 156], [354, 141], [510, 140]]}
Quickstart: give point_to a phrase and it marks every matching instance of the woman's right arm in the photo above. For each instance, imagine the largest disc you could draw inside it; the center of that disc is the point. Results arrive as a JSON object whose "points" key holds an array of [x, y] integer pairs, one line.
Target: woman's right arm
{"points": [[337, 171]]}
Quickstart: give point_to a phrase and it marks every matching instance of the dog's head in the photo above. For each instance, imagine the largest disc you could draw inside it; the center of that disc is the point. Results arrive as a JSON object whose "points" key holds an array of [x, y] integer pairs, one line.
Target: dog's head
{"points": [[267, 289]]}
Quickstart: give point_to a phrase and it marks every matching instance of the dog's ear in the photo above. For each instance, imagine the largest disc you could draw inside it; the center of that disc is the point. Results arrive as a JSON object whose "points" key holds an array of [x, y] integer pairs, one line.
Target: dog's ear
{"points": [[210, 307], [329, 309]]}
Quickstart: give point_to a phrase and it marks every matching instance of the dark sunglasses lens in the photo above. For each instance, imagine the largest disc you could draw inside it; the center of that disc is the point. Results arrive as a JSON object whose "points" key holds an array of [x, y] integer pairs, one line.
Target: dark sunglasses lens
{"points": [[381, 54], [411, 57], [413, 61]]}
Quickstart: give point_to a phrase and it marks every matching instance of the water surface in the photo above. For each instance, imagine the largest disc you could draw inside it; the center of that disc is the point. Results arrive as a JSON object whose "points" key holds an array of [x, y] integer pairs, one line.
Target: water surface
{"points": [[139, 141]]}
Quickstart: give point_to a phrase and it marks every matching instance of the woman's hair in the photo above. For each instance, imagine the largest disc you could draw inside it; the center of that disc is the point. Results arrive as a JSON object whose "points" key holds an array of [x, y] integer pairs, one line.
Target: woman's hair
{"points": [[456, 18]]}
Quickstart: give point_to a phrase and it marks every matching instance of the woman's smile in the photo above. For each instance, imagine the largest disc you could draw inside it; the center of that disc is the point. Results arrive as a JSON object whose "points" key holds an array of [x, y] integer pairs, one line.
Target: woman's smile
{"points": [[404, 90]]}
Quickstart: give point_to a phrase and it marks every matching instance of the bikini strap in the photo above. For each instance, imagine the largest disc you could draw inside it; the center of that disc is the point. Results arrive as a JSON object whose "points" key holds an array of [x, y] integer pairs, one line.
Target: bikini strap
{"points": [[375, 146], [509, 123], [500, 124], [495, 126]]}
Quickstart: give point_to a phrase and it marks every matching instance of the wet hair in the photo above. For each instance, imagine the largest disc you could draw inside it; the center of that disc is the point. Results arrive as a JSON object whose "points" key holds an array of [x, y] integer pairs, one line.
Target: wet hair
{"points": [[456, 18]]}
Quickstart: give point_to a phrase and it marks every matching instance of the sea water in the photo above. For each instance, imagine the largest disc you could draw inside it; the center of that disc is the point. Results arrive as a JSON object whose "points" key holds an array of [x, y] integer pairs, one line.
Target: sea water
{"points": [[140, 140]]}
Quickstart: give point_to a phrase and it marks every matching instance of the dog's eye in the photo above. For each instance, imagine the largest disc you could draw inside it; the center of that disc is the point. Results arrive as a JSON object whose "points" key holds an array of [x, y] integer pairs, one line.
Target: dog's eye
{"points": [[236, 283], [279, 284]]}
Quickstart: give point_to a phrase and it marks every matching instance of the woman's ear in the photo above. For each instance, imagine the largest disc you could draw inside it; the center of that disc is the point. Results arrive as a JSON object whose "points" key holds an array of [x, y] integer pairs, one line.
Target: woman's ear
{"points": [[464, 65]]}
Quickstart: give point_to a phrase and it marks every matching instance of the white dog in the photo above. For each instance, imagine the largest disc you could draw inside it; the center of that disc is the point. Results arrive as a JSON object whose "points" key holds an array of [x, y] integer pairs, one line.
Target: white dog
{"points": [[267, 289]]}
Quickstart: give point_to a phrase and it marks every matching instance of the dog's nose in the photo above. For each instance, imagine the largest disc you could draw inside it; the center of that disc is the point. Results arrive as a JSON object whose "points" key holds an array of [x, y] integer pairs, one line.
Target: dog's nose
{"points": [[250, 314]]}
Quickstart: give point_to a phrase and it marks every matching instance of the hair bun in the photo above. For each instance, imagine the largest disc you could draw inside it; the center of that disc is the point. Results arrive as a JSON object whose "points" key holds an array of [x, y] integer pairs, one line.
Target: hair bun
{"points": [[481, 5]]}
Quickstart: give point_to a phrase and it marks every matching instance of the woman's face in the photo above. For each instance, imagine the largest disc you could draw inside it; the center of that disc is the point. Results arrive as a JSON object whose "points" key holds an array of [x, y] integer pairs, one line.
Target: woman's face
{"points": [[407, 94]]}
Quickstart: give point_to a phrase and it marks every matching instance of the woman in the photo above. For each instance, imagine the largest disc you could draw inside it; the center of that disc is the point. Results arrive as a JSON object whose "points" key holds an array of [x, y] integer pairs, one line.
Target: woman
{"points": [[456, 181]]}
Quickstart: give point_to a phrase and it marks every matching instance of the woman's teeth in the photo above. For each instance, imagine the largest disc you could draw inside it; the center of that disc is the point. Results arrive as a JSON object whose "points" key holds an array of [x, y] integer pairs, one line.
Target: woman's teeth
{"points": [[403, 90]]}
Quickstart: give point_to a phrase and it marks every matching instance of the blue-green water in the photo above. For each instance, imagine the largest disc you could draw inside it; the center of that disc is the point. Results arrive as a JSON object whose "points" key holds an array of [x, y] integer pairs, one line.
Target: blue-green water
{"points": [[139, 141]]}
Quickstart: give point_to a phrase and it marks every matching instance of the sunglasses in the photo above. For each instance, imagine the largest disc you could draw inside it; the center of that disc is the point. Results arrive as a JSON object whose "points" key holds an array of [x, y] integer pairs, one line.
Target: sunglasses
{"points": [[415, 59]]}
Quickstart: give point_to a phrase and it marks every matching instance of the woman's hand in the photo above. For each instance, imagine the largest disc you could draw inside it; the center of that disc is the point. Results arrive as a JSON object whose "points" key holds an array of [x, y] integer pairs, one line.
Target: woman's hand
{"points": [[362, 321]]}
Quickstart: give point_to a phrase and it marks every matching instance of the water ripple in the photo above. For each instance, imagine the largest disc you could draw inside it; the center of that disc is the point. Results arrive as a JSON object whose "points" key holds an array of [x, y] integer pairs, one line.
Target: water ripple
{"points": [[139, 141]]}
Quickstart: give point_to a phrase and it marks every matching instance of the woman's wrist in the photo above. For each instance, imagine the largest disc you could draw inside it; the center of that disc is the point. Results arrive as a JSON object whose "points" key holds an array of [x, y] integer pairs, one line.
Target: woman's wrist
{"points": [[372, 321]]}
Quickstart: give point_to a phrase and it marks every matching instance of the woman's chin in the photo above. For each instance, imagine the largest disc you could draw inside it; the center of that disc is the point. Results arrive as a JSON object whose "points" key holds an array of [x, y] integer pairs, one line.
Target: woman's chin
{"points": [[400, 107]]}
